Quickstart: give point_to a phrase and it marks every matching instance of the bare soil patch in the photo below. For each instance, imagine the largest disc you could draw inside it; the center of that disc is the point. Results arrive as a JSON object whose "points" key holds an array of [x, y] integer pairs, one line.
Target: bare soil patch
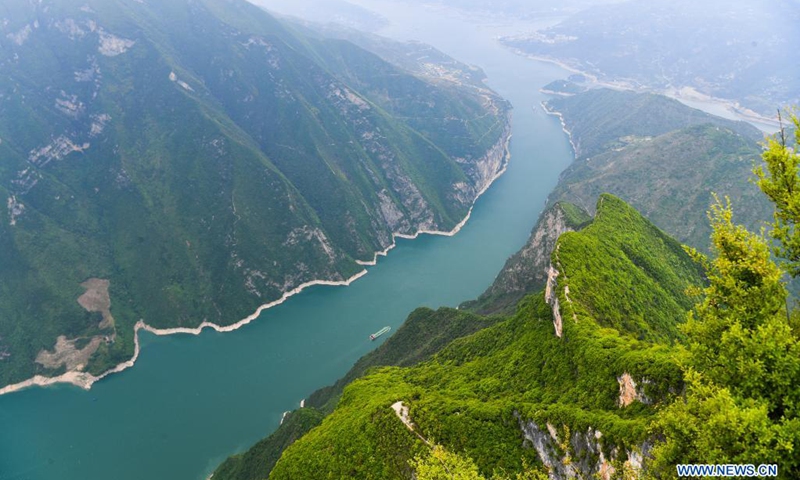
{"points": [[65, 353], [96, 299]]}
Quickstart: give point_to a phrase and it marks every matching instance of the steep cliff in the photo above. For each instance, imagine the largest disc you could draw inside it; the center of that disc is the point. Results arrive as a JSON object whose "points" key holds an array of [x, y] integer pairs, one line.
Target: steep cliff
{"points": [[527, 270]]}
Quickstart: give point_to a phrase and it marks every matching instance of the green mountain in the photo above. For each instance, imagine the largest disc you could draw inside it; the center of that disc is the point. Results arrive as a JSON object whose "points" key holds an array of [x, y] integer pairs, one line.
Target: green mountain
{"points": [[185, 161], [568, 382], [603, 119], [542, 384]]}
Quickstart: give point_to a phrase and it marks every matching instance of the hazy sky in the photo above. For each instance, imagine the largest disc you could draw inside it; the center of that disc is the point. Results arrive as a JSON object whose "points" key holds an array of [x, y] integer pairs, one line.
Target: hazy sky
{"points": [[353, 13]]}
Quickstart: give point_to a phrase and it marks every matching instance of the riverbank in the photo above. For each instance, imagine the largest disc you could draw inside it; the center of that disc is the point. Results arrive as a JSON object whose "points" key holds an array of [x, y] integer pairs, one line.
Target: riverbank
{"points": [[687, 95], [85, 380], [564, 128]]}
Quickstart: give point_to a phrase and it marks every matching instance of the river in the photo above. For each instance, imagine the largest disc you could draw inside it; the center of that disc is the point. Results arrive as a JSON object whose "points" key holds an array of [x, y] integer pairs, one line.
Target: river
{"points": [[191, 401]]}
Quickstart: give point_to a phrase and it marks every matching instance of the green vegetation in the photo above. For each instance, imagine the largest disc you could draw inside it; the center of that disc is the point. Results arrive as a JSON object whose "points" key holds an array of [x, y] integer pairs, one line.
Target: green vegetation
{"points": [[662, 157], [742, 402], [205, 158], [598, 373], [424, 333], [439, 464], [657, 154], [780, 184], [641, 353], [602, 119], [627, 255], [743, 369], [257, 462]]}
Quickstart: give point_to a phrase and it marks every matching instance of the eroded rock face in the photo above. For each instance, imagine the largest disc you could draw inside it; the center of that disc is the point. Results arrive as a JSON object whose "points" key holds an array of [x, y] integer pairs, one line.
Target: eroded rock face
{"points": [[551, 297], [628, 392], [111, 45], [74, 354], [97, 299], [529, 269], [580, 454], [15, 209]]}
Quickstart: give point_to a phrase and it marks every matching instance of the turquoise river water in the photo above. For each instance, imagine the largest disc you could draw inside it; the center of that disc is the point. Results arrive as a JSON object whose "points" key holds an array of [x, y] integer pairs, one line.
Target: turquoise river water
{"points": [[191, 401]]}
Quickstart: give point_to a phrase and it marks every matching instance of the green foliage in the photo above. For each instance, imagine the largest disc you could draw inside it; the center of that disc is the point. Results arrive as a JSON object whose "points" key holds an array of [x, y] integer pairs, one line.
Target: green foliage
{"points": [[741, 322], [440, 464], [780, 183], [710, 425], [424, 333], [662, 157], [743, 369], [575, 216]]}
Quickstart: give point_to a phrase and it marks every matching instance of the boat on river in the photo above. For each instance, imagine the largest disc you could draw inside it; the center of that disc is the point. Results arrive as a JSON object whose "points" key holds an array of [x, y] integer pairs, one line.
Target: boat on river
{"points": [[379, 333]]}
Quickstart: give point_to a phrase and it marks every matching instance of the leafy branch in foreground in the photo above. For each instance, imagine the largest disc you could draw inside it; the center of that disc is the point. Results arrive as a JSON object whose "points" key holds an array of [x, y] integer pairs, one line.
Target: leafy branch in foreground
{"points": [[781, 184], [741, 403], [440, 464]]}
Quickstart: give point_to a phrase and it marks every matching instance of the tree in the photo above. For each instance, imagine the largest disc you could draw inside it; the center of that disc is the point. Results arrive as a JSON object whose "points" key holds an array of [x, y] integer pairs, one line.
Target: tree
{"points": [[439, 464], [780, 184], [743, 370], [739, 334]]}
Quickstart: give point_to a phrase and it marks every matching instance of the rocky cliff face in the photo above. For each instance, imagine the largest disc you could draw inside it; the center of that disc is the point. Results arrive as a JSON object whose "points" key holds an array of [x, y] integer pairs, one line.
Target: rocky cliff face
{"points": [[527, 270], [569, 455]]}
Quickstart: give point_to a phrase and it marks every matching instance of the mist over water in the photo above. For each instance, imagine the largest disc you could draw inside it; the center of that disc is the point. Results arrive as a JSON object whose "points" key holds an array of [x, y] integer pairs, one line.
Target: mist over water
{"points": [[191, 401]]}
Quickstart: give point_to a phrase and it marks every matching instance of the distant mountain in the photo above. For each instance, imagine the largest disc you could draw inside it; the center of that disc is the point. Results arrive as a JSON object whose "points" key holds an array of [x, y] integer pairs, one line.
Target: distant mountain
{"points": [[731, 49], [602, 119], [514, 9], [339, 12], [418, 58], [185, 161]]}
